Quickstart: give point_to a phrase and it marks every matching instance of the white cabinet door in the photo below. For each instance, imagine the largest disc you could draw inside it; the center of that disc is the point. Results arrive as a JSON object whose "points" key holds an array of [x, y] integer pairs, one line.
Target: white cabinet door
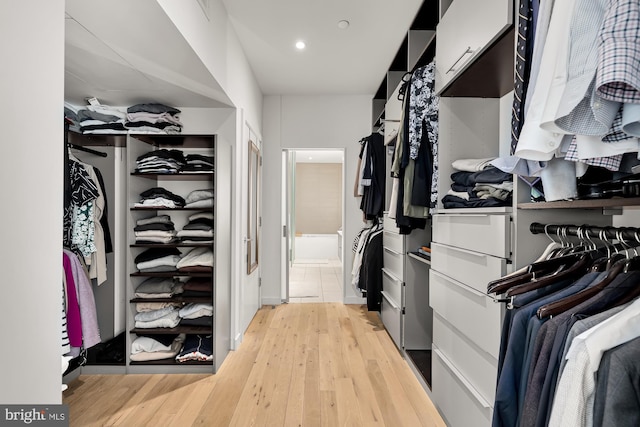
{"points": [[465, 31]]}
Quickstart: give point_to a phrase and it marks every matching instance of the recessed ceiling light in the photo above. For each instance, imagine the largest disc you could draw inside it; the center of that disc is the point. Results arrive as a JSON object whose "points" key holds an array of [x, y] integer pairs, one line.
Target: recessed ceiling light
{"points": [[343, 24], [310, 158], [300, 45]]}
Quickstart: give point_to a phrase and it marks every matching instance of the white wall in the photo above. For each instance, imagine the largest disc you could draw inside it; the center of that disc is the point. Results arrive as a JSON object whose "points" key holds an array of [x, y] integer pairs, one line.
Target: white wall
{"points": [[309, 122], [216, 43], [32, 48], [214, 40]]}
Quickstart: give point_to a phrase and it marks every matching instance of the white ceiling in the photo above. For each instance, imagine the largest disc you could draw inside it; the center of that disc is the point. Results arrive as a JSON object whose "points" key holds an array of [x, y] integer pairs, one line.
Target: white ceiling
{"points": [[351, 61], [122, 59]]}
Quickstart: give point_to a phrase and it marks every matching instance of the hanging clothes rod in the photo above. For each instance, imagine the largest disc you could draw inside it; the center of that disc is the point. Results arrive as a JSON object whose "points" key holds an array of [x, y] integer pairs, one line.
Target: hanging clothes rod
{"points": [[88, 150], [626, 233]]}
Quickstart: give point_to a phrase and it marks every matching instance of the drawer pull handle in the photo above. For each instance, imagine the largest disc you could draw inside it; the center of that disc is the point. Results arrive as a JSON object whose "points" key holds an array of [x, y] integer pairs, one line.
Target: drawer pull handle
{"points": [[448, 215], [391, 251], [464, 251], [391, 276], [459, 59], [458, 284], [462, 379], [390, 300]]}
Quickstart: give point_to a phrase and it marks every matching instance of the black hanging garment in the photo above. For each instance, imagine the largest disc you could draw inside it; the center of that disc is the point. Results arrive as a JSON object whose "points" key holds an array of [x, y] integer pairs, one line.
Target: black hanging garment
{"points": [[372, 203], [371, 271]]}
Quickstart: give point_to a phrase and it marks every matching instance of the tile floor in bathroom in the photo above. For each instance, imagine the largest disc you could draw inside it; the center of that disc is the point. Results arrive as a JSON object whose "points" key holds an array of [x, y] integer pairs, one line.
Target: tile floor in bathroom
{"points": [[315, 281]]}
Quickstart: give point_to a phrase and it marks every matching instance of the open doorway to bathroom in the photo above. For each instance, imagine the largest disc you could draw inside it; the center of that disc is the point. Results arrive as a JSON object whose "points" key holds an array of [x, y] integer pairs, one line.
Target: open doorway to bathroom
{"points": [[313, 218]]}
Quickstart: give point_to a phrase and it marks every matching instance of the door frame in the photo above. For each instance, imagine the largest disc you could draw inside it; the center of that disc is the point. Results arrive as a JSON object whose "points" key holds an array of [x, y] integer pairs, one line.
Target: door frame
{"points": [[288, 213]]}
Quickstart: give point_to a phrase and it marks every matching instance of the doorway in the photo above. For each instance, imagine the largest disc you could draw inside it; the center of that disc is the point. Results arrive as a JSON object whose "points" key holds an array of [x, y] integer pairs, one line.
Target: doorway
{"points": [[313, 214]]}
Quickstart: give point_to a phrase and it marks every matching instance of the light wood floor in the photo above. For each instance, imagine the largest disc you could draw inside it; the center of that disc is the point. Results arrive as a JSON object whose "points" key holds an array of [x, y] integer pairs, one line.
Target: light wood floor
{"points": [[299, 365]]}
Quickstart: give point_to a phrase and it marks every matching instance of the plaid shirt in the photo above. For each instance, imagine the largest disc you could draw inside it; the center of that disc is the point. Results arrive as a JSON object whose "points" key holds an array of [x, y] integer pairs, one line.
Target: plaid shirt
{"points": [[611, 163], [618, 75]]}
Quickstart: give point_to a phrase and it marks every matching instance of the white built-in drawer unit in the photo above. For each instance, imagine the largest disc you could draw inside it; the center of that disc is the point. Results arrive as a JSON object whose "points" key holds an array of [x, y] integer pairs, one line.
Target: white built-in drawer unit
{"points": [[470, 311], [467, 28], [475, 364], [389, 224], [392, 287], [459, 403], [393, 241], [394, 262], [474, 269], [485, 233], [391, 316]]}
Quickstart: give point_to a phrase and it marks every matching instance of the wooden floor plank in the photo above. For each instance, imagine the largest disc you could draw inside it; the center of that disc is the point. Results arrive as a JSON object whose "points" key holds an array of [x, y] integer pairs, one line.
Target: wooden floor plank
{"points": [[311, 404], [348, 405], [232, 375], [273, 412], [329, 409], [316, 364], [384, 398], [295, 407]]}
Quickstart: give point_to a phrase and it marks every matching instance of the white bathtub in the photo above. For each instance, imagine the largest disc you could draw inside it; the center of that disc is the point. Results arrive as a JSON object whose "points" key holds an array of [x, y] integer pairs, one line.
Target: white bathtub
{"points": [[316, 247]]}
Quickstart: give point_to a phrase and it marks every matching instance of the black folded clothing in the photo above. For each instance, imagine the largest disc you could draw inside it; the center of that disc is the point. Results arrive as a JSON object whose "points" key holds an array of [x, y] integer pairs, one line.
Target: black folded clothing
{"points": [[155, 226], [490, 175], [199, 158], [156, 192], [155, 253], [153, 107], [198, 321], [455, 202], [163, 153]]}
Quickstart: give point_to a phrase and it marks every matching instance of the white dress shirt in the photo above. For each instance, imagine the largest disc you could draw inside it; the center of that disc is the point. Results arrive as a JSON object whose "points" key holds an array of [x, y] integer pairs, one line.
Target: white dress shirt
{"points": [[536, 143], [574, 397]]}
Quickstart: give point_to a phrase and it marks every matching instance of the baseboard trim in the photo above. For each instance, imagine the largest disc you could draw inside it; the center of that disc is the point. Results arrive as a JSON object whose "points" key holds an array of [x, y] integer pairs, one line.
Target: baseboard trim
{"points": [[355, 300], [271, 301]]}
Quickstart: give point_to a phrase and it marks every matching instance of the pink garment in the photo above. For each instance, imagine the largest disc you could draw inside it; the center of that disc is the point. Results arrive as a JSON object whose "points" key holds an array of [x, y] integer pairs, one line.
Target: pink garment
{"points": [[74, 322], [86, 302]]}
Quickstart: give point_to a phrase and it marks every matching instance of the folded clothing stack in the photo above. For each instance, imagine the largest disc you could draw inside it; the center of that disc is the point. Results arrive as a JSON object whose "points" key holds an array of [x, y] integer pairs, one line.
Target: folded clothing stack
{"points": [[153, 118], [199, 229], [158, 260], [156, 347], [167, 317], [198, 287], [92, 119], [161, 198], [198, 163], [142, 307], [157, 229], [197, 260], [196, 314], [196, 347], [200, 199], [161, 161], [158, 287], [477, 184]]}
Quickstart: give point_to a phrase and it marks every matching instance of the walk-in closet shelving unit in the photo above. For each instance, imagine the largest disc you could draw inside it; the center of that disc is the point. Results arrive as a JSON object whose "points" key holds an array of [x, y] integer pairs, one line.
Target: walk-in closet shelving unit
{"points": [[180, 184], [405, 308], [474, 78]]}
